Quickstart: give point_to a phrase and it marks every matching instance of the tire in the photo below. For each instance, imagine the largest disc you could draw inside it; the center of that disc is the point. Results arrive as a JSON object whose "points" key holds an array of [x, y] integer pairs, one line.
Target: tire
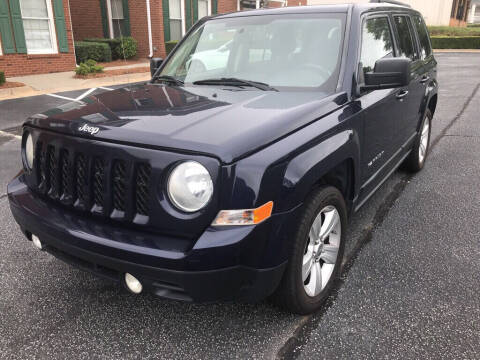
{"points": [[415, 161], [294, 293]]}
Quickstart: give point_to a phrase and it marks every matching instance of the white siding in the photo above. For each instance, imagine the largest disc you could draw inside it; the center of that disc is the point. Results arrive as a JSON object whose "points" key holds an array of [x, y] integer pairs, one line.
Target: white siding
{"points": [[474, 13], [435, 12]]}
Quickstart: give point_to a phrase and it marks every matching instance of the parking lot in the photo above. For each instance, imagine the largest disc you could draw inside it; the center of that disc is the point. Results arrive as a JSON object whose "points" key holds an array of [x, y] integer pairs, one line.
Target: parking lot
{"points": [[410, 286]]}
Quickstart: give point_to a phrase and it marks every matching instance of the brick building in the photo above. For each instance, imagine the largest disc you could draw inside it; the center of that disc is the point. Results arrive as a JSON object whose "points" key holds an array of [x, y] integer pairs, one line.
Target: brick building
{"points": [[37, 36], [170, 19]]}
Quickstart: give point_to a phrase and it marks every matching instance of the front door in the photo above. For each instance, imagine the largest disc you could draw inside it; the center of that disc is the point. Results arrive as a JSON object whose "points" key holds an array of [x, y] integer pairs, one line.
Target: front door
{"points": [[379, 120]]}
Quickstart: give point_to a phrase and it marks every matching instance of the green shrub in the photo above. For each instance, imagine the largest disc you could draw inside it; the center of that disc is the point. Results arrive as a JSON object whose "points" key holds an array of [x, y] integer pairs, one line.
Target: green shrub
{"points": [[112, 43], [89, 67], [456, 42], [127, 48], [169, 45], [91, 50], [2, 78], [453, 31], [118, 46]]}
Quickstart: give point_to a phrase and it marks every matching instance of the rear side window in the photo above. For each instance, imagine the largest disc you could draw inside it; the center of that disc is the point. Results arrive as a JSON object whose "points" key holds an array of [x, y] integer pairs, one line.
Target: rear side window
{"points": [[405, 38], [425, 48], [376, 42]]}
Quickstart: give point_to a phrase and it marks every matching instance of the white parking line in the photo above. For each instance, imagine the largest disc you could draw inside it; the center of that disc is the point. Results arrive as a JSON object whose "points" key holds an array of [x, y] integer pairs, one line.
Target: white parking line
{"points": [[85, 94], [105, 88], [65, 98], [4, 133]]}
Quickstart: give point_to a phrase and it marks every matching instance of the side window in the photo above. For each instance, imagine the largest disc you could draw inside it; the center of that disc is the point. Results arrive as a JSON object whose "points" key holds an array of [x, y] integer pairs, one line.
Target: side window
{"points": [[425, 48], [405, 39], [376, 42]]}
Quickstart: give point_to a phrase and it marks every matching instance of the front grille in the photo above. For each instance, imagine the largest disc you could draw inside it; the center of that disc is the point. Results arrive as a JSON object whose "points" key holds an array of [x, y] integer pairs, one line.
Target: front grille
{"points": [[115, 188]]}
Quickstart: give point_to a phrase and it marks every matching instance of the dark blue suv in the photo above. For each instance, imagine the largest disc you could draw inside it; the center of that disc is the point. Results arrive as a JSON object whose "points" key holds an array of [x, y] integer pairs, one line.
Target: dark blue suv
{"points": [[230, 175]]}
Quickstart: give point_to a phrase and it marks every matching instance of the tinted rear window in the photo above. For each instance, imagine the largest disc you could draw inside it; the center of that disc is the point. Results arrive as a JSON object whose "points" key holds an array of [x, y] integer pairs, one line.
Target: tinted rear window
{"points": [[405, 38], [425, 48]]}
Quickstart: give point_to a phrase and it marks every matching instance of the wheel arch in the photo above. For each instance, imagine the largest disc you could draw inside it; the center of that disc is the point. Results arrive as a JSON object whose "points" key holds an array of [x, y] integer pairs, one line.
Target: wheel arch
{"points": [[333, 162], [432, 104]]}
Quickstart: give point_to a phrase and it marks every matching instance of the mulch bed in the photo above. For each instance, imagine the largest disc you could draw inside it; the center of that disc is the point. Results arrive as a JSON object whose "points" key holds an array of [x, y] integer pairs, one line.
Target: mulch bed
{"points": [[108, 73], [11, 84], [122, 62]]}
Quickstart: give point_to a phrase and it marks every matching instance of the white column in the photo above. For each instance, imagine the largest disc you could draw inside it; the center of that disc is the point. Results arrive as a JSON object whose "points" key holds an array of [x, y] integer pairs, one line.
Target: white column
{"points": [[471, 18]]}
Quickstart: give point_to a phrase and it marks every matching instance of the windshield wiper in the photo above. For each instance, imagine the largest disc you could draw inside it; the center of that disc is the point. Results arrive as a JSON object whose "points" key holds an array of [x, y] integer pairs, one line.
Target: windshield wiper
{"points": [[235, 82], [168, 79]]}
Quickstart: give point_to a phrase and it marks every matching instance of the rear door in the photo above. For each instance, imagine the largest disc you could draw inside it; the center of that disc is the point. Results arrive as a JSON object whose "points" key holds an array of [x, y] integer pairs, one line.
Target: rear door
{"points": [[412, 95], [426, 53]]}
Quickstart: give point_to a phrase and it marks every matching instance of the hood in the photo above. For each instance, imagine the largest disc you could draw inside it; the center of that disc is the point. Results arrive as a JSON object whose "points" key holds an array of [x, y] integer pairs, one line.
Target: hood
{"points": [[226, 123]]}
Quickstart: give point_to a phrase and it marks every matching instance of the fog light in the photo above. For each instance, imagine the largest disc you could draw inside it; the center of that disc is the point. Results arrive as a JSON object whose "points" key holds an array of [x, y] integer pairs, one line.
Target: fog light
{"points": [[133, 284], [36, 241]]}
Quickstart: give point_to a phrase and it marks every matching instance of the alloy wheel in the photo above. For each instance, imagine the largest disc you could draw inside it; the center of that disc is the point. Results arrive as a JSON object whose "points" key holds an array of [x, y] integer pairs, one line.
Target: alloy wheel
{"points": [[424, 137], [321, 250]]}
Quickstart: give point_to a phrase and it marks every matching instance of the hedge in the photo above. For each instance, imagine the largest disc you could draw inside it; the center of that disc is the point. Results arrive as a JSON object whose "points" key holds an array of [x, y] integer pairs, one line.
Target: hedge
{"points": [[112, 43], [169, 45], [129, 46], [456, 42], [453, 31], [2, 78], [92, 51]]}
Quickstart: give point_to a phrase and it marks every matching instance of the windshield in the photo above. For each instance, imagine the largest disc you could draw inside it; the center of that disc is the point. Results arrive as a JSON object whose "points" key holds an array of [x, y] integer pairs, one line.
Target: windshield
{"points": [[284, 51]]}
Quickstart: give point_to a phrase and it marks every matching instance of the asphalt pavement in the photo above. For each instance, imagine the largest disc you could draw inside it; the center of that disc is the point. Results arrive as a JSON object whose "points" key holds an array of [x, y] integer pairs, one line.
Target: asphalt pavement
{"points": [[410, 287]]}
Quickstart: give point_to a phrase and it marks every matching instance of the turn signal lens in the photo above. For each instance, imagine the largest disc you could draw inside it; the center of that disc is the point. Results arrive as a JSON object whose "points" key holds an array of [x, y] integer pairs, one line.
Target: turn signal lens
{"points": [[244, 217]]}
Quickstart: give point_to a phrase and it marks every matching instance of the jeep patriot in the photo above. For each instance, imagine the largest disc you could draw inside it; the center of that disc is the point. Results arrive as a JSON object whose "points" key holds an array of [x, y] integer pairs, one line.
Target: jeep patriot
{"points": [[231, 174]]}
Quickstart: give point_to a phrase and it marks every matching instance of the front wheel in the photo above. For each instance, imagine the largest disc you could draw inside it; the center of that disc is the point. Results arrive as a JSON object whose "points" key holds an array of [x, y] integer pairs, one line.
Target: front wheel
{"points": [[416, 159], [317, 252]]}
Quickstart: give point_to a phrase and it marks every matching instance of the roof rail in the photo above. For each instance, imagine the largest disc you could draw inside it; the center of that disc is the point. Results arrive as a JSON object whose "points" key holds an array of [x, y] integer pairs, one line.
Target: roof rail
{"points": [[390, 2]]}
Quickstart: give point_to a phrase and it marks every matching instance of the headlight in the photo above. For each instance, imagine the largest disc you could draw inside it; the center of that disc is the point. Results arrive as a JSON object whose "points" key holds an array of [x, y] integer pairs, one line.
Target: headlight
{"points": [[29, 152], [190, 186]]}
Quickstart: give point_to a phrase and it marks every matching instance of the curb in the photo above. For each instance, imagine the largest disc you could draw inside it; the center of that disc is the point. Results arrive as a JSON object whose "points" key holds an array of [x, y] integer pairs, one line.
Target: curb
{"points": [[471, 51], [26, 91]]}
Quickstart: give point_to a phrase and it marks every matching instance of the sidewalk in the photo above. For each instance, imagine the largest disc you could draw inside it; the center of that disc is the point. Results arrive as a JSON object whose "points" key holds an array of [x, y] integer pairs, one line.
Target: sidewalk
{"points": [[65, 81]]}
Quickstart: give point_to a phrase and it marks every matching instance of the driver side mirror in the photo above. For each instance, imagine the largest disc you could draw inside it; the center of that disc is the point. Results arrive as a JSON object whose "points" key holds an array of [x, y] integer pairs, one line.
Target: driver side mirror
{"points": [[389, 73], [155, 64]]}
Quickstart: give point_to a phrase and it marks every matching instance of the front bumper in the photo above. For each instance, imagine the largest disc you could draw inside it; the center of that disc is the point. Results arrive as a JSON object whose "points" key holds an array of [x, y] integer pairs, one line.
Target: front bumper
{"points": [[234, 263]]}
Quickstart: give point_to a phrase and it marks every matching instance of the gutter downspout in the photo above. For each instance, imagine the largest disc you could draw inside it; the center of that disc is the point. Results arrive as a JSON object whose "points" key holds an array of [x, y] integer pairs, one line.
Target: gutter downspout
{"points": [[149, 24]]}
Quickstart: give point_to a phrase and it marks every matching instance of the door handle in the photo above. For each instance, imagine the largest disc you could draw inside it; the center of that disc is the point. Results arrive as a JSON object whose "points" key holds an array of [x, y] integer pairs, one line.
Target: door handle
{"points": [[402, 94], [424, 79]]}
